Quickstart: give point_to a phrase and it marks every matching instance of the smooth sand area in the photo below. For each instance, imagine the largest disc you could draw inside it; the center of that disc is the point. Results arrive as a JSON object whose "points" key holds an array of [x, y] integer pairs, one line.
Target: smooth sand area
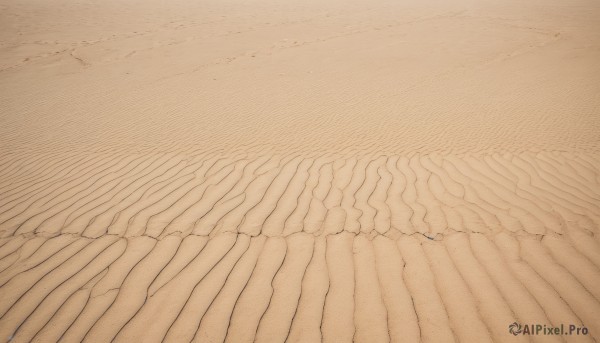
{"points": [[300, 171]]}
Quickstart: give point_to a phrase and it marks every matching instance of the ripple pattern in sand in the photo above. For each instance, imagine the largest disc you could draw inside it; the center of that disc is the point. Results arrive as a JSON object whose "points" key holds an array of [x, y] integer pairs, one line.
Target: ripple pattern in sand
{"points": [[238, 248]]}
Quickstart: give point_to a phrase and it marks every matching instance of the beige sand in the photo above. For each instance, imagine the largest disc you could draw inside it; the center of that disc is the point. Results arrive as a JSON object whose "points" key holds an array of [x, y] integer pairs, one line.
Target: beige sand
{"points": [[300, 171]]}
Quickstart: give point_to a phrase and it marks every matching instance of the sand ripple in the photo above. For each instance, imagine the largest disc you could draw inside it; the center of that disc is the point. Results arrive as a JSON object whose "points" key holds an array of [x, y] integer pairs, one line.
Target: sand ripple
{"points": [[215, 248], [298, 171]]}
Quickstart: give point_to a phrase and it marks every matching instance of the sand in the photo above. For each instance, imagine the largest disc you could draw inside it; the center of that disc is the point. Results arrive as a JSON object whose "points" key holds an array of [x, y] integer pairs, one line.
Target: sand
{"points": [[298, 171]]}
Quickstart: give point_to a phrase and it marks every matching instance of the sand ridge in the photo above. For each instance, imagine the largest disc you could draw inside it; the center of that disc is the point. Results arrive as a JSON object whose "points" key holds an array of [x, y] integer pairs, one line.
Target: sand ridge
{"points": [[267, 171], [392, 248]]}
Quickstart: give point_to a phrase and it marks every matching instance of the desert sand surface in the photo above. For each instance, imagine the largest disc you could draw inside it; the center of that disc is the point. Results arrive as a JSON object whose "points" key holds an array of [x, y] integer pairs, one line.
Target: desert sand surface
{"points": [[298, 171]]}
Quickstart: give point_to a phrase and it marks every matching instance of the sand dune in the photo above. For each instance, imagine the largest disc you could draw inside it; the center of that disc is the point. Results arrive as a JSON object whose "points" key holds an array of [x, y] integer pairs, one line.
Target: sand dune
{"points": [[268, 171]]}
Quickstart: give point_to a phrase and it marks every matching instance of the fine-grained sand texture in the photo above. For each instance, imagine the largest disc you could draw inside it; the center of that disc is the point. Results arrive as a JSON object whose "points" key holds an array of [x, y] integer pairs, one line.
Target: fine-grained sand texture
{"points": [[298, 171]]}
